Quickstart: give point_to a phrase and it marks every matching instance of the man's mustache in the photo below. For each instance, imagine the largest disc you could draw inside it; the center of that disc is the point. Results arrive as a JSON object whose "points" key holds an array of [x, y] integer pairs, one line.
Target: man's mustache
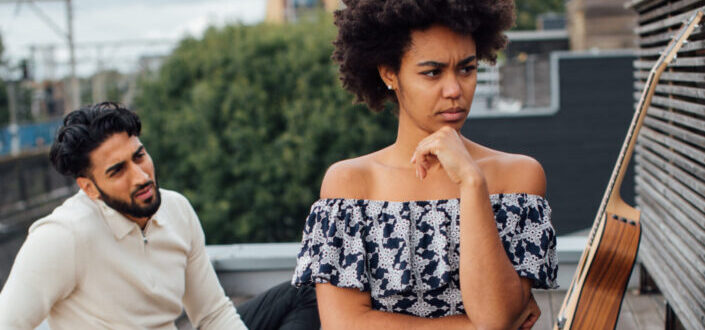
{"points": [[145, 185]]}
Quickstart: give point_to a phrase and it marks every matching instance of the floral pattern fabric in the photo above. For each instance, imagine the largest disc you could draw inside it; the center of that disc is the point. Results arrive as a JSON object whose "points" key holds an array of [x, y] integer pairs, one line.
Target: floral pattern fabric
{"points": [[406, 254]]}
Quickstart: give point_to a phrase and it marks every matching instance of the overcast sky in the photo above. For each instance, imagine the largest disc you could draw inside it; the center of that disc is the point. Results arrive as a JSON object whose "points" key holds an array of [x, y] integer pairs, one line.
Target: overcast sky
{"points": [[109, 20]]}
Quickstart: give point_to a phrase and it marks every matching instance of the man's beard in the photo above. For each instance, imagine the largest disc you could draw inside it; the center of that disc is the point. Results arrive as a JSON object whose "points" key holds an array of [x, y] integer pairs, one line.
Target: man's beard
{"points": [[131, 208]]}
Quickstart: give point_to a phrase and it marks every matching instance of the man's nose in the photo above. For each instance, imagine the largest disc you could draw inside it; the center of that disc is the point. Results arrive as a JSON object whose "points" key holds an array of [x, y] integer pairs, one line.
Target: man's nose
{"points": [[138, 175]]}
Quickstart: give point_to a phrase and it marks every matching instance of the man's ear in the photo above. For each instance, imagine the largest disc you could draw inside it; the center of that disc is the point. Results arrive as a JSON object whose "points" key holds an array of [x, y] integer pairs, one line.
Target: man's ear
{"points": [[88, 187], [389, 77]]}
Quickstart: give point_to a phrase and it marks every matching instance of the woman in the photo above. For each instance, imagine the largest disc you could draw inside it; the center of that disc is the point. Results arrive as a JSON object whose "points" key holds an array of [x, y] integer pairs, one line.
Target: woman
{"points": [[434, 230]]}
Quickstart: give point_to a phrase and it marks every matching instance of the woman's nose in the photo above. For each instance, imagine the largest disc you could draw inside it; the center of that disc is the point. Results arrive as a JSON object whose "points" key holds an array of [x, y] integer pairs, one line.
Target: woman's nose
{"points": [[451, 88]]}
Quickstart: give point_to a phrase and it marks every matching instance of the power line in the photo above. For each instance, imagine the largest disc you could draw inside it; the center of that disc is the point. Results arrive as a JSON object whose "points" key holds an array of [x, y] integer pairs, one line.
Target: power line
{"points": [[68, 35], [22, 1], [113, 43], [48, 20]]}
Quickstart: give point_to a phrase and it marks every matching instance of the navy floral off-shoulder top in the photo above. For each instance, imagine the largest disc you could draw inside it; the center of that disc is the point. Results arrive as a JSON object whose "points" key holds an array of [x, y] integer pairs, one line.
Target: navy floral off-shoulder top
{"points": [[406, 254]]}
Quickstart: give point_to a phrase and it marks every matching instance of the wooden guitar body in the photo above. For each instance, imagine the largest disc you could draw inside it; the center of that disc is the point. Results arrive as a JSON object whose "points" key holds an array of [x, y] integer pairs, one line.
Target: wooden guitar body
{"points": [[600, 300]]}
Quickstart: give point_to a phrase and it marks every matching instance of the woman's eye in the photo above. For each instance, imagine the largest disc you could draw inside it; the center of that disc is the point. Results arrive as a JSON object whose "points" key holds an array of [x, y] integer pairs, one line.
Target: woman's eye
{"points": [[431, 73], [467, 69]]}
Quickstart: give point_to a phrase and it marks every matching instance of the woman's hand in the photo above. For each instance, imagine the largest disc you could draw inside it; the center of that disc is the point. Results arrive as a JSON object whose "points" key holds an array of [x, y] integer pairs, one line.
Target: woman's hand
{"points": [[446, 147], [532, 314]]}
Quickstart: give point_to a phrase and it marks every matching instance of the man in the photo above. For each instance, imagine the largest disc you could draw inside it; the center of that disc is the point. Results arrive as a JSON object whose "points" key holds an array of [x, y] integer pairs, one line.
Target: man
{"points": [[122, 253]]}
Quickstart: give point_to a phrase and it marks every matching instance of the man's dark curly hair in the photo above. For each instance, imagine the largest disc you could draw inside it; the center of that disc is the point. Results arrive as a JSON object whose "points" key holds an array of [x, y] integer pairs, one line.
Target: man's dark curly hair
{"points": [[86, 129], [378, 32]]}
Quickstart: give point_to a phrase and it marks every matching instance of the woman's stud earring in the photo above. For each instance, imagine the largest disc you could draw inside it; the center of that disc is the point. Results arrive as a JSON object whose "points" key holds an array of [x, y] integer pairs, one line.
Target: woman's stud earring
{"points": [[389, 87]]}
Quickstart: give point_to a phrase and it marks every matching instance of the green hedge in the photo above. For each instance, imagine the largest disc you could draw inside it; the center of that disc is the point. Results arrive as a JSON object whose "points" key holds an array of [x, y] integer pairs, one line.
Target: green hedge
{"points": [[529, 10], [245, 122]]}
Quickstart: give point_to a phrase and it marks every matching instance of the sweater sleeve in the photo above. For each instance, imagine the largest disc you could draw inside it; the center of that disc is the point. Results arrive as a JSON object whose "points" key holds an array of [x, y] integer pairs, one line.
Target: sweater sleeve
{"points": [[43, 273], [204, 300]]}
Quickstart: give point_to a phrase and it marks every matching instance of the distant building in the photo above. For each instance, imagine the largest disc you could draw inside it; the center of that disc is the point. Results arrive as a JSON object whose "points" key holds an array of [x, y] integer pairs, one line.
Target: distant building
{"points": [[602, 24], [281, 11], [551, 21]]}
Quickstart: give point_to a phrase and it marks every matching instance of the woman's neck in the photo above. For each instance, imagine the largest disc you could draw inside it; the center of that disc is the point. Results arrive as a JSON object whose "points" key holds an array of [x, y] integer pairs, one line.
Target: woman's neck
{"points": [[409, 134]]}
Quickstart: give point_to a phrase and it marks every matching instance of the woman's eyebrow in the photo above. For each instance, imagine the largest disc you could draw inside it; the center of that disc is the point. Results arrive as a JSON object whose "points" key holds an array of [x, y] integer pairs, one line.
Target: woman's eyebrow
{"points": [[436, 64], [433, 64], [467, 60]]}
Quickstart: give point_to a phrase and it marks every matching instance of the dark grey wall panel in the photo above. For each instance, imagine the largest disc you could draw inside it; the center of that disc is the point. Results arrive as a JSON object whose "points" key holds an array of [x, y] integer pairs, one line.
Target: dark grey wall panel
{"points": [[578, 145]]}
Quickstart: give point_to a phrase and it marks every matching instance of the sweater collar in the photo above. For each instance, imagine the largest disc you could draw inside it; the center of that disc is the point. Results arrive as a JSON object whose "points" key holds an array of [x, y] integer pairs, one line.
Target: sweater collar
{"points": [[120, 225]]}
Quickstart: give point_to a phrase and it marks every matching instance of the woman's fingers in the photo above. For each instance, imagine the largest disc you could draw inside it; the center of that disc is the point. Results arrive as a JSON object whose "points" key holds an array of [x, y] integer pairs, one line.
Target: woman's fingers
{"points": [[422, 167], [446, 148], [424, 157]]}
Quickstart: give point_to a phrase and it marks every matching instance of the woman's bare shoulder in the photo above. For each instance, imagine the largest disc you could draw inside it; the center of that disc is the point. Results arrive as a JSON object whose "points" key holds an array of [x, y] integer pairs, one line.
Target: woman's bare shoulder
{"points": [[527, 175], [514, 172], [347, 178]]}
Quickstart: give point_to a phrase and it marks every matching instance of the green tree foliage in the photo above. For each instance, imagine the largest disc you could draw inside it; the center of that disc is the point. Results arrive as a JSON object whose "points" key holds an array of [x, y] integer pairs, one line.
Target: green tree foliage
{"points": [[245, 122], [529, 10]]}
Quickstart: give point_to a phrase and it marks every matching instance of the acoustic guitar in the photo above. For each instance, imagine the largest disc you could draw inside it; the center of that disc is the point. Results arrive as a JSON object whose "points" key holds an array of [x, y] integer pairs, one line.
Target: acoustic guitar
{"points": [[595, 295]]}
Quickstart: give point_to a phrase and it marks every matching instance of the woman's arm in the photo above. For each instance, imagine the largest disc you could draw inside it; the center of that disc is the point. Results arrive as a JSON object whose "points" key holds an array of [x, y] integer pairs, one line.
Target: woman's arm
{"points": [[341, 308], [494, 295]]}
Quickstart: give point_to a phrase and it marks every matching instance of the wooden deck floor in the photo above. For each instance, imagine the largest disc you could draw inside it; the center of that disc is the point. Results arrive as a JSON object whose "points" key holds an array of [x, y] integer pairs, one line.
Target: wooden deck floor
{"points": [[639, 311]]}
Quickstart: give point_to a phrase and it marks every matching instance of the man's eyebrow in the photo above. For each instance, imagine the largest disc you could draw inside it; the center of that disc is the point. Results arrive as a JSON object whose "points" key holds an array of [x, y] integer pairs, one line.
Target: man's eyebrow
{"points": [[443, 65], [140, 149], [119, 165], [114, 168]]}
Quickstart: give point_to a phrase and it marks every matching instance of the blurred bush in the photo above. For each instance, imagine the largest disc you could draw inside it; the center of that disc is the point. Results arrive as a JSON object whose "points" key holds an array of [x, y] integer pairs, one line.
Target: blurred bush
{"points": [[245, 122], [529, 10]]}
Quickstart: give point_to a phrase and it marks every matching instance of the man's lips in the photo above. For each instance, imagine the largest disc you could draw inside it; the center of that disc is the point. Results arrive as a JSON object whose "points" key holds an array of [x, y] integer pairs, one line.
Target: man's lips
{"points": [[145, 193]]}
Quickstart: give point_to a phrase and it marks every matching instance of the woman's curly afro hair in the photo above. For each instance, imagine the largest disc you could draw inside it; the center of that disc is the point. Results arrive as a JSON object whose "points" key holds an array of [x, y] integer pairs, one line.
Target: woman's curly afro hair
{"points": [[378, 32]]}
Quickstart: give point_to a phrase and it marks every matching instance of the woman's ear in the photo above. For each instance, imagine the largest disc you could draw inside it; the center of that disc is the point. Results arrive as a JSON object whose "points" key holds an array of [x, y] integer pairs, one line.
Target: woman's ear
{"points": [[389, 77]]}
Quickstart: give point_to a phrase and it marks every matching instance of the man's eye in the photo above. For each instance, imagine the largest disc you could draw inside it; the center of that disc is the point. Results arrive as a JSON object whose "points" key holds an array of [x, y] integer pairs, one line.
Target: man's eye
{"points": [[115, 172], [139, 155]]}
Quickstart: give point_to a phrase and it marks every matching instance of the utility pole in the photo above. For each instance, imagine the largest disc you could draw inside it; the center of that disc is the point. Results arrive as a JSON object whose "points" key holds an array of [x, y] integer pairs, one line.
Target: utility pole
{"points": [[75, 92], [13, 127], [75, 88], [98, 81]]}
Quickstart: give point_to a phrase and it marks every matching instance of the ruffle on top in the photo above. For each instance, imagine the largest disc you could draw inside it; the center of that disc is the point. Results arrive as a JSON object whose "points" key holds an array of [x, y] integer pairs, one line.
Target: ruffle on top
{"points": [[406, 254]]}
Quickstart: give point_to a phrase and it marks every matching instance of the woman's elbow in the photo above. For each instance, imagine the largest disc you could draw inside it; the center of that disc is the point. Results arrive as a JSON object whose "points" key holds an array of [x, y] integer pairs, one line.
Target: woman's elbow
{"points": [[496, 324], [347, 321], [499, 320]]}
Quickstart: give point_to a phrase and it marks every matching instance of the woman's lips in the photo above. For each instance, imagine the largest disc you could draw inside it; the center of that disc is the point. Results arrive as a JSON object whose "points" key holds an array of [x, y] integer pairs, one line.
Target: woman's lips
{"points": [[453, 115]]}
